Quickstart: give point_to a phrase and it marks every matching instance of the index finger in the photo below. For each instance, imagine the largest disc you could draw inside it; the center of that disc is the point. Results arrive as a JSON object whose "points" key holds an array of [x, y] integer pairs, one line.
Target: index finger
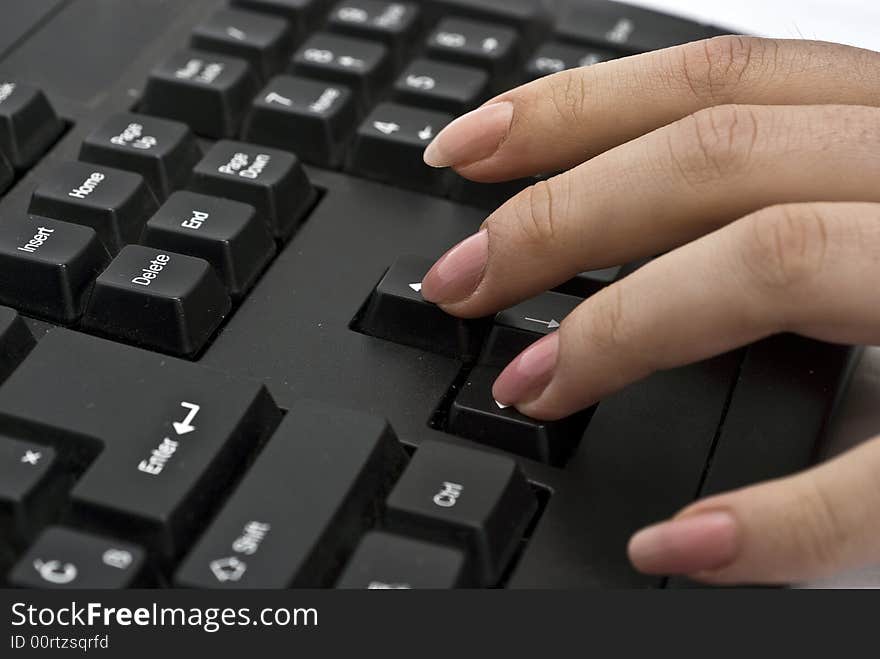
{"points": [[564, 119]]}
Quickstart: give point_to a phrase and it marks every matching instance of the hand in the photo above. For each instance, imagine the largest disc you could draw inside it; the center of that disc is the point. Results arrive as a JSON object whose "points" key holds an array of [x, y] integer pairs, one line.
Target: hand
{"points": [[754, 165]]}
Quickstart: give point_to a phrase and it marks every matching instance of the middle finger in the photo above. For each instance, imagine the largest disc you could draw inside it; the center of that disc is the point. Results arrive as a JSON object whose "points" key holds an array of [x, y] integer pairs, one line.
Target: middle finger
{"points": [[658, 192]]}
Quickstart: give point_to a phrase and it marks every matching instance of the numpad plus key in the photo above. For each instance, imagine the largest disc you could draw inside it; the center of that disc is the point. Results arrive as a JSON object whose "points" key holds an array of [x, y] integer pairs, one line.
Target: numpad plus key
{"points": [[440, 86], [159, 440], [113, 202], [160, 299], [227, 234], [48, 267], [468, 498], [364, 66], [67, 558], [28, 123], [313, 119], [208, 91], [162, 151], [263, 41], [385, 561], [390, 143], [271, 180]]}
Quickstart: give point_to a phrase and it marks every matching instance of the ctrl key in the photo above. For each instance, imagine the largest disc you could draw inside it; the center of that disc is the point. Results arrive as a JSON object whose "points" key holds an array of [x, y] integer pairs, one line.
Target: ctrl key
{"points": [[158, 299], [472, 499], [64, 558]]}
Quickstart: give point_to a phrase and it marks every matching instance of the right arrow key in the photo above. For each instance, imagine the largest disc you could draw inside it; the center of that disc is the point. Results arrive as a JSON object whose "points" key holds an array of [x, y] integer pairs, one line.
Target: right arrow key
{"points": [[518, 327]]}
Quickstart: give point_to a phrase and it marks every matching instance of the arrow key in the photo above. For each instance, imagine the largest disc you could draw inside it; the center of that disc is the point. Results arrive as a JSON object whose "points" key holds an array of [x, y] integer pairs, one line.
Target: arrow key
{"points": [[396, 311], [474, 414], [389, 147], [518, 327]]}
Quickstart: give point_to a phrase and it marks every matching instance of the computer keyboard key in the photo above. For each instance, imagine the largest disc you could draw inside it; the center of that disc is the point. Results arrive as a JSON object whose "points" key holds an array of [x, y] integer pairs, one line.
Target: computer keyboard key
{"points": [[16, 341], [439, 86], [302, 506], [384, 561], [28, 123], [489, 196], [7, 175], [554, 57], [591, 282], [48, 266], [162, 151], [478, 501], [393, 23], [264, 41], [301, 14], [67, 558], [625, 28], [311, 118], [476, 415], [160, 439], [207, 91], [390, 143], [227, 234], [489, 46], [364, 66], [272, 181], [396, 311], [113, 202], [516, 328], [158, 299], [31, 487], [530, 17]]}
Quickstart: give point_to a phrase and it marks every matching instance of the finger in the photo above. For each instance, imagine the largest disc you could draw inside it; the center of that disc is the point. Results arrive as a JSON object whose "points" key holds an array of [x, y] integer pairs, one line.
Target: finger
{"points": [[559, 121], [802, 527], [800, 268], [660, 191]]}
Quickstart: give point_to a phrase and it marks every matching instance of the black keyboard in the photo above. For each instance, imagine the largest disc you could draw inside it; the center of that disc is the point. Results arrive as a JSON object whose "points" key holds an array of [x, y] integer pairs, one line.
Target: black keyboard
{"points": [[216, 367]]}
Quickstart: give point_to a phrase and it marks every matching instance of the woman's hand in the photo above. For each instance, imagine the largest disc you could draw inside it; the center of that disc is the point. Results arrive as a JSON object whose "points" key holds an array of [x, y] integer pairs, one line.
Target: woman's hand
{"points": [[754, 165]]}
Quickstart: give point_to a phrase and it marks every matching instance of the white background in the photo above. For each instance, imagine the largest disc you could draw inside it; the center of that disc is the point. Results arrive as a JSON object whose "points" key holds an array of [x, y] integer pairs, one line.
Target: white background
{"points": [[855, 22]]}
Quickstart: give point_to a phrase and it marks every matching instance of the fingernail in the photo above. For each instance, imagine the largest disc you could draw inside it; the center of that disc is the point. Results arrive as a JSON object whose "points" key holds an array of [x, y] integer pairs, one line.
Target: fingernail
{"points": [[458, 272], [472, 137], [686, 545], [529, 374]]}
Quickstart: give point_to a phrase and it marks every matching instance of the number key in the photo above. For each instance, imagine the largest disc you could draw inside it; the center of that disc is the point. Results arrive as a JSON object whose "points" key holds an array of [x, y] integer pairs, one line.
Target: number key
{"points": [[363, 65], [446, 87], [393, 23], [390, 143], [491, 47]]}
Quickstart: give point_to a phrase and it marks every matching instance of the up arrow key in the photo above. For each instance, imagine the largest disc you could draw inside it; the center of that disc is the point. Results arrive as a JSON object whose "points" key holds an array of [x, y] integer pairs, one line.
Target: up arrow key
{"points": [[185, 426]]}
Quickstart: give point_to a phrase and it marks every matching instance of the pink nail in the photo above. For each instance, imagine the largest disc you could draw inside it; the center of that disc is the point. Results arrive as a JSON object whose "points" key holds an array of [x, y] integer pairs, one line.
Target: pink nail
{"points": [[529, 374], [472, 137], [458, 272], [687, 545]]}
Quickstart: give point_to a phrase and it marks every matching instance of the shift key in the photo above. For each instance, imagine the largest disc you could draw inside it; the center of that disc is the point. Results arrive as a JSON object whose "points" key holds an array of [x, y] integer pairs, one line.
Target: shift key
{"points": [[302, 506]]}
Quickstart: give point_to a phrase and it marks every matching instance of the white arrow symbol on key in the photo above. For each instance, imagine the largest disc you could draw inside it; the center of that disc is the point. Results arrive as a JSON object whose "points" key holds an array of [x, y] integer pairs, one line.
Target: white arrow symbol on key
{"points": [[185, 426], [551, 324], [416, 287]]}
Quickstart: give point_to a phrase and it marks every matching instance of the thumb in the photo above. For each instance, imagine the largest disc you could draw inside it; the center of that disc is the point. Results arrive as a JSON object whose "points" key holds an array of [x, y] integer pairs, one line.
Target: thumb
{"points": [[809, 525]]}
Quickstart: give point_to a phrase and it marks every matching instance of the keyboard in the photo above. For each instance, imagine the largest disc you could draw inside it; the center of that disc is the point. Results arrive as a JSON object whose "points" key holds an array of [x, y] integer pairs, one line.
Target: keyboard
{"points": [[216, 366]]}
